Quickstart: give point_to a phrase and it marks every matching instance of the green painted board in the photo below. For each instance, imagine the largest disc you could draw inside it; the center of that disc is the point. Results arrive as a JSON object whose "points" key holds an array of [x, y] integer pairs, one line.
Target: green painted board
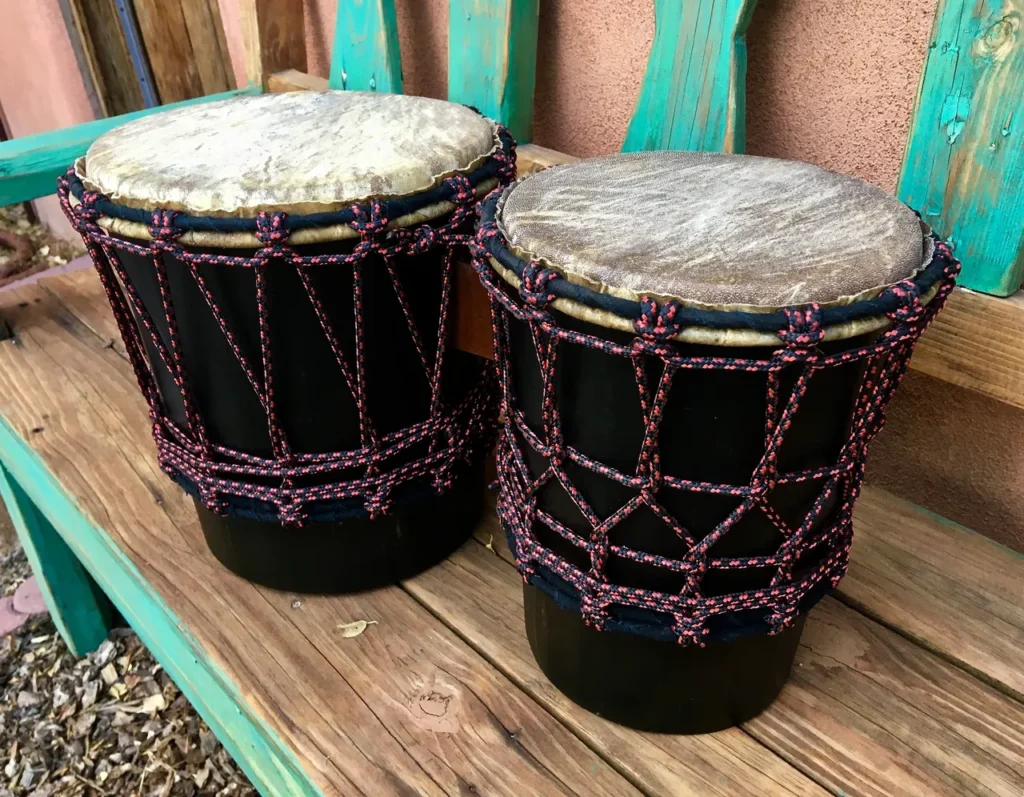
{"points": [[366, 56], [492, 59], [77, 606], [266, 759], [693, 94], [30, 165], [963, 168]]}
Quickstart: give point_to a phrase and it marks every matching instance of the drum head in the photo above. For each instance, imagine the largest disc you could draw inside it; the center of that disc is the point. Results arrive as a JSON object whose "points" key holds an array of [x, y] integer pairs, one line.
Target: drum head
{"points": [[301, 152], [713, 228]]}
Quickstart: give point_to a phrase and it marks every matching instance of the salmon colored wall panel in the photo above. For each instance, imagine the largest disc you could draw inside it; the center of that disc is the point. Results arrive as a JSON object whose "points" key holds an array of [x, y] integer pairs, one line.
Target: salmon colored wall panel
{"points": [[41, 88], [833, 83], [956, 452]]}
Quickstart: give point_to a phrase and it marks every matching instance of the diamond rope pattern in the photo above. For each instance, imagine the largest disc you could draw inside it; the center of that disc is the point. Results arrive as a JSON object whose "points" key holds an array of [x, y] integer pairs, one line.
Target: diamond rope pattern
{"points": [[225, 479], [823, 536]]}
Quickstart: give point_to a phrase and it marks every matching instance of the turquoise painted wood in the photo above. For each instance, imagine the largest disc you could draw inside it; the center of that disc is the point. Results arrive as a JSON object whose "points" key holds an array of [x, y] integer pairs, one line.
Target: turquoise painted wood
{"points": [[963, 168], [269, 762], [492, 59], [30, 165], [693, 96], [78, 607], [366, 56]]}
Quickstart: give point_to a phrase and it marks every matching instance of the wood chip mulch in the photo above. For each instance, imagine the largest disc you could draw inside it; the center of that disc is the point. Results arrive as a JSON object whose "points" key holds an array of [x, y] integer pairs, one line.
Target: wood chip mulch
{"points": [[27, 248], [112, 723]]}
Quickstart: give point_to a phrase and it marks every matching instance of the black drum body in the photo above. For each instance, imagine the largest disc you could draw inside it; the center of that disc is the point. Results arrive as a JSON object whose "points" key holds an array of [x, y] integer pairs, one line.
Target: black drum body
{"points": [[712, 431], [337, 549], [299, 372], [678, 494]]}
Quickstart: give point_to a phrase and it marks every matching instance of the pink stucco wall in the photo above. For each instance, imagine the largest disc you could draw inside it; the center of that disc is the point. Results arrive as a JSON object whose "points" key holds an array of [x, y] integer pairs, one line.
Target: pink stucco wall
{"points": [[830, 83], [40, 85]]}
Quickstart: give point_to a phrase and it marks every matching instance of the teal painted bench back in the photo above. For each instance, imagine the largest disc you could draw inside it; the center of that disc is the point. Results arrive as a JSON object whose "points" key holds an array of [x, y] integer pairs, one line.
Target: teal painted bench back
{"points": [[963, 168]]}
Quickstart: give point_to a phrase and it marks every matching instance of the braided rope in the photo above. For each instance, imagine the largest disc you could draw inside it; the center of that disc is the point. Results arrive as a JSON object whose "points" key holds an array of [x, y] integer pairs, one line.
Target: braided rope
{"points": [[227, 481], [689, 616]]}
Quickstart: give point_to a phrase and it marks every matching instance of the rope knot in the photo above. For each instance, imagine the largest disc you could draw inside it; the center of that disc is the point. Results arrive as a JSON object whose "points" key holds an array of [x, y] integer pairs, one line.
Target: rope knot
{"points": [[534, 286], [370, 220], [271, 230], [909, 309], [944, 252], [461, 188], [657, 322], [162, 226], [804, 326], [505, 157], [87, 210], [424, 238]]}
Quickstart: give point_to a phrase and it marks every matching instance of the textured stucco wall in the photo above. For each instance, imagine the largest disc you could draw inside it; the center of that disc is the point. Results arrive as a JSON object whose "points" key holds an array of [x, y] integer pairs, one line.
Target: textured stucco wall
{"points": [[40, 86]]}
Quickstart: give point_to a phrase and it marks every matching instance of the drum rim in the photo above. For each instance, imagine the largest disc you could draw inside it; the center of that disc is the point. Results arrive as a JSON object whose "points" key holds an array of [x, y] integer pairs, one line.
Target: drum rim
{"points": [[305, 228], [722, 325]]}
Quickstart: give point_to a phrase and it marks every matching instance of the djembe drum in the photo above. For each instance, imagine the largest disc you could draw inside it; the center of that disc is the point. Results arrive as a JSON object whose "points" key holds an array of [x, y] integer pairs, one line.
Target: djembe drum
{"points": [[281, 270], [695, 350]]}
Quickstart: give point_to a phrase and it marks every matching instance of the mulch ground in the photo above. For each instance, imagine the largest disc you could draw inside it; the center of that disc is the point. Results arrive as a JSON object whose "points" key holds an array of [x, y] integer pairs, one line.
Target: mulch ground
{"points": [[27, 248], [112, 723]]}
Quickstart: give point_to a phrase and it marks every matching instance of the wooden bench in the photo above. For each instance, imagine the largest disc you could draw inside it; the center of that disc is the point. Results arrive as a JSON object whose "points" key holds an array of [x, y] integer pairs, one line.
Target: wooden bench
{"points": [[909, 681]]}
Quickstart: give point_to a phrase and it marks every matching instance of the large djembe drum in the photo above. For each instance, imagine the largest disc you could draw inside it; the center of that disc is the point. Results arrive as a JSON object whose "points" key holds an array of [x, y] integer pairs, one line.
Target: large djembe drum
{"points": [[695, 351], [281, 270]]}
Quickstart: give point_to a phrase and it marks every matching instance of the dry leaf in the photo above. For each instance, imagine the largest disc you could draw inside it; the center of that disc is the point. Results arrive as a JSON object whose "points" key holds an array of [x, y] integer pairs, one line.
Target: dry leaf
{"points": [[154, 703], [355, 628], [109, 674]]}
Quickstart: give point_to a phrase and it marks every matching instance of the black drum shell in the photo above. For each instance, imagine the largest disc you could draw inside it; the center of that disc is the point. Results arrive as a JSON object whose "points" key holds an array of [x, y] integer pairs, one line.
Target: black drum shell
{"points": [[713, 430], [315, 407]]}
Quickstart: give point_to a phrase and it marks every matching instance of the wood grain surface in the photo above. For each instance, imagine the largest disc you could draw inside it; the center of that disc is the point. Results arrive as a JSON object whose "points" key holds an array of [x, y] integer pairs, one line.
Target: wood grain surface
{"points": [[865, 712], [59, 376]]}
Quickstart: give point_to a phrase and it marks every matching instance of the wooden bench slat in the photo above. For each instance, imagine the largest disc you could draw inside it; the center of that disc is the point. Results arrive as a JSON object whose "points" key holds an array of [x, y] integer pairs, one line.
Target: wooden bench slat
{"points": [[865, 711], [365, 55], [480, 596], [342, 723], [492, 59], [694, 89], [954, 591], [964, 161]]}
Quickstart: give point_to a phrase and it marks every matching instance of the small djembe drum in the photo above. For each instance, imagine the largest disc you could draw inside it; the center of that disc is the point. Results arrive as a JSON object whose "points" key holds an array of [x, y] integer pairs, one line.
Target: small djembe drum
{"points": [[695, 351], [281, 271]]}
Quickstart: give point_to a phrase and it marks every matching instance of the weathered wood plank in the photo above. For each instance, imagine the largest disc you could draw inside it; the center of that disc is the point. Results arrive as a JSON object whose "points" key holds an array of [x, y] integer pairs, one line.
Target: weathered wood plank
{"points": [[977, 342], [77, 606], [366, 55], [386, 684], [693, 94], [954, 591], [294, 80], [274, 36], [169, 49], [36, 391], [866, 712], [85, 55], [30, 165], [103, 39], [964, 162], [209, 45], [492, 63], [480, 596]]}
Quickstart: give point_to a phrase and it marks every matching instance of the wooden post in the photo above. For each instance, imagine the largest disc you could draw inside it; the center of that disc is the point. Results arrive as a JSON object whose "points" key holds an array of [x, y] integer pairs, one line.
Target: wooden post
{"points": [[273, 32], [184, 47], [366, 55], [693, 94], [492, 59], [78, 607], [963, 168]]}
